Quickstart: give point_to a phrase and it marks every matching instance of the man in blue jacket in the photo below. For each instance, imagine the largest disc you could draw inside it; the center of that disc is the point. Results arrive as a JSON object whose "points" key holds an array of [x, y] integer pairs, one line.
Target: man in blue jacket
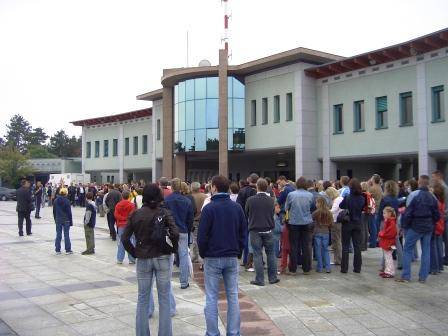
{"points": [[221, 239], [62, 213], [183, 214], [419, 220]]}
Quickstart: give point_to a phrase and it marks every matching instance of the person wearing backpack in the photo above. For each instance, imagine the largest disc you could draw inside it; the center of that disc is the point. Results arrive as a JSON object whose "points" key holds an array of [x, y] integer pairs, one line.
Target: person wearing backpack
{"points": [[368, 216], [157, 237]]}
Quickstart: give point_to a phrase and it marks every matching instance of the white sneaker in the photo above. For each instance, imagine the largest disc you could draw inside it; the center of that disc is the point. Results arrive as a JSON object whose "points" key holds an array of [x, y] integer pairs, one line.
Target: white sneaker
{"points": [[69, 252], [251, 269], [119, 262], [57, 253]]}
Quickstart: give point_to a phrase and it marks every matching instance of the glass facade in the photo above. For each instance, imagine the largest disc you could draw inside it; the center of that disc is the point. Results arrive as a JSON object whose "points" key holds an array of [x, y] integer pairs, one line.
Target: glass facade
{"points": [[196, 115]]}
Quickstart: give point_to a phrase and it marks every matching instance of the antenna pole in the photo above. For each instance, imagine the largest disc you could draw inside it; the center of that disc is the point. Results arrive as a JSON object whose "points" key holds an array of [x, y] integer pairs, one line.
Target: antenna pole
{"points": [[226, 26]]}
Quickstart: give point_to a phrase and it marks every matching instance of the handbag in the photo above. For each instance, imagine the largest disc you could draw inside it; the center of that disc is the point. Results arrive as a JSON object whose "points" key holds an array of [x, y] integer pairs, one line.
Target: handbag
{"points": [[343, 216]]}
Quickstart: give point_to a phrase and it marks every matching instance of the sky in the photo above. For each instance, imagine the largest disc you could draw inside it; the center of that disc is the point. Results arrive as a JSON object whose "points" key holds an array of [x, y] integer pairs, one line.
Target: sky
{"points": [[66, 60]]}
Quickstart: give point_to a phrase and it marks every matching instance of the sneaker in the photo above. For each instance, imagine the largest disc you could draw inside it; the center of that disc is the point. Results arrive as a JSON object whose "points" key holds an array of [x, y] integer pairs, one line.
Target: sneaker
{"points": [[422, 281], [58, 253], [256, 283], [387, 276], [87, 252], [402, 280], [119, 262], [21, 234], [69, 252], [275, 281], [306, 273], [291, 273], [381, 274], [251, 269], [132, 263], [329, 271], [185, 286]]}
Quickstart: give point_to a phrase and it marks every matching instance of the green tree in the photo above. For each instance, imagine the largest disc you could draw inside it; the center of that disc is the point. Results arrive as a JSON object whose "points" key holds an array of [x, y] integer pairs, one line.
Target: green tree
{"points": [[18, 132], [64, 146], [2, 142], [39, 152], [37, 137], [13, 165]]}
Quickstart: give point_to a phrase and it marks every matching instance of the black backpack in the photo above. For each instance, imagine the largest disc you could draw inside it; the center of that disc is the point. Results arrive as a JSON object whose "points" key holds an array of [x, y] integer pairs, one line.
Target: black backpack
{"points": [[161, 234]]}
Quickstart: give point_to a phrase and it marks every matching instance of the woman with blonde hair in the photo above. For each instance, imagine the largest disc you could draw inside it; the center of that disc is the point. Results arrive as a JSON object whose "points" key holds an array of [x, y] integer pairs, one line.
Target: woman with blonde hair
{"points": [[336, 243]]}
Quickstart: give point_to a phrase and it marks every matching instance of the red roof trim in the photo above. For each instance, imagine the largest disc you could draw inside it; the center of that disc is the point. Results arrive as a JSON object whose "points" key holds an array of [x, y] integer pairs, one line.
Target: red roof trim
{"points": [[420, 45], [114, 118]]}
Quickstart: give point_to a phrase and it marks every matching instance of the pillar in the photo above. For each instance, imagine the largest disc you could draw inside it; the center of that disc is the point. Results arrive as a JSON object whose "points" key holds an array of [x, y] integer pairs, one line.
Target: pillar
{"points": [[120, 154], [223, 158], [168, 141], [83, 148], [180, 166], [328, 166]]}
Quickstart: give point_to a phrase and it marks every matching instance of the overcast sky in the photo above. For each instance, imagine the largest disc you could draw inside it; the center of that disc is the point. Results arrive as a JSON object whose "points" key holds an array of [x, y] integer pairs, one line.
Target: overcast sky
{"points": [[65, 60]]}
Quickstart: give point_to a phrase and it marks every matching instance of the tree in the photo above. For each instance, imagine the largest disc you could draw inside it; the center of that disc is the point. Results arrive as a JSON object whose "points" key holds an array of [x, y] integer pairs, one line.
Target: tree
{"points": [[64, 146], [13, 165], [18, 133], [39, 152], [37, 137], [2, 142]]}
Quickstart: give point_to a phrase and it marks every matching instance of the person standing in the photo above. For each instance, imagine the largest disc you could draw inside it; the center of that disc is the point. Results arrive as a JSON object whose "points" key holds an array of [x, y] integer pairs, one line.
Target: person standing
{"points": [[152, 258], [24, 207], [336, 228], [387, 239], [81, 195], [419, 220], [221, 239], [182, 211], [377, 194], [62, 214], [260, 214], [437, 177], [89, 224], [300, 205], [122, 211], [72, 194], [323, 220], [38, 198], [199, 199], [111, 200]]}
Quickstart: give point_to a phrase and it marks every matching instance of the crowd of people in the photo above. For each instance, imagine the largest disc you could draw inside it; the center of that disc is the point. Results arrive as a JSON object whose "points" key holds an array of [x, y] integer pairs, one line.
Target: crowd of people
{"points": [[281, 224]]}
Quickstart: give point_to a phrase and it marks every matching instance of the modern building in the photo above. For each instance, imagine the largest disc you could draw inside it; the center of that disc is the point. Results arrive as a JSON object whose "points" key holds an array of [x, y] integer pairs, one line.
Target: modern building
{"points": [[42, 168], [117, 148]]}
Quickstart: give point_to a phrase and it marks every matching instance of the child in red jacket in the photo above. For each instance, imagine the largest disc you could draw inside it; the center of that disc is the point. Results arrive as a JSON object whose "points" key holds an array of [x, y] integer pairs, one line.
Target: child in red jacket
{"points": [[387, 238], [122, 211], [436, 255]]}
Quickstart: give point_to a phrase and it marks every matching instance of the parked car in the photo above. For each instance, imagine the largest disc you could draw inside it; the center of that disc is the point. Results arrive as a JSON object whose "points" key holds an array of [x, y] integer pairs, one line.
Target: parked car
{"points": [[7, 194]]}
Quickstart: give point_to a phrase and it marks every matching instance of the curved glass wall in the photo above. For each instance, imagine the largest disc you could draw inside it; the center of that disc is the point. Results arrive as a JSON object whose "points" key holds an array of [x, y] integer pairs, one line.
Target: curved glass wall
{"points": [[196, 111]]}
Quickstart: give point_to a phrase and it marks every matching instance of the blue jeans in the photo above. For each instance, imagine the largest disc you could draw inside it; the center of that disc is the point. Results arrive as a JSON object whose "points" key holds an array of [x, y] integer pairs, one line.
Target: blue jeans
{"points": [[321, 241], [183, 259], [146, 268], [57, 242], [172, 300], [215, 269], [411, 239], [120, 250], [258, 241], [373, 233], [436, 254], [277, 245]]}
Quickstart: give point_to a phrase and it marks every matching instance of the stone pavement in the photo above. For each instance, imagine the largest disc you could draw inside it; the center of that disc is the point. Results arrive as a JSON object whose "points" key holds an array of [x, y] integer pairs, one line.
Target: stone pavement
{"points": [[44, 294]]}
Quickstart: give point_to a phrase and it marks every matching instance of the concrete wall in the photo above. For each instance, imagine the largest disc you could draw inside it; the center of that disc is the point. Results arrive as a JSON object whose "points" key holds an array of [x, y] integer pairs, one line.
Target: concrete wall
{"points": [[140, 161], [100, 134]]}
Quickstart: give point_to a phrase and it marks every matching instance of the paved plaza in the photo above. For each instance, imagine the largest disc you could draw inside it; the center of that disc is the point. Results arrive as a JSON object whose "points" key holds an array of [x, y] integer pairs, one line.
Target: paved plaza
{"points": [[45, 294]]}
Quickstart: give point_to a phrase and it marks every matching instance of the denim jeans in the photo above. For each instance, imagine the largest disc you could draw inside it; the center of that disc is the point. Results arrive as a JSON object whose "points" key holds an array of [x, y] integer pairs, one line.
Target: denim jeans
{"points": [[183, 259], [120, 248], [436, 254], [146, 268], [300, 241], [373, 233], [411, 239], [57, 242], [258, 241], [172, 300], [321, 241], [215, 269]]}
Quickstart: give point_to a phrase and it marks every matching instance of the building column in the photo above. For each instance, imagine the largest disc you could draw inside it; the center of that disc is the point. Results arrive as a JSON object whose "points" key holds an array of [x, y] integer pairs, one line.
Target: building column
{"points": [[223, 160], [180, 166], [120, 153], [83, 148], [426, 163], [328, 166], [153, 147], [168, 141]]}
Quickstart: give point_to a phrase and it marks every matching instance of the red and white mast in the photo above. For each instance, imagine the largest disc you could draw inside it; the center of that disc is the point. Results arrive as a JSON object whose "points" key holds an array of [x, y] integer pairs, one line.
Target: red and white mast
{"points": [[226, 25]]}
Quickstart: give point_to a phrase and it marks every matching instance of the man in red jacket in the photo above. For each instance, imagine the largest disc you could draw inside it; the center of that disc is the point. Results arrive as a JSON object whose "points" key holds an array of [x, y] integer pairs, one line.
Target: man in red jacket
{"points": [[122, 211]]}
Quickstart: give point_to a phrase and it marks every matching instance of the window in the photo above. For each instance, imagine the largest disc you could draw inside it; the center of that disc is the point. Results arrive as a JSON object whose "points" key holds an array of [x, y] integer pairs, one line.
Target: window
{"points": [[106, 148], [264, 111], [112, 179], [438, 104], [406, 109], [158, 129], [89, 149], [337, 119], [253, 113], [276, 109], [145, 144], [108, 178], [97, 149], [289, 106], [135, 147], [115, 147], [126, 146], [358, 110], [381, 112]]}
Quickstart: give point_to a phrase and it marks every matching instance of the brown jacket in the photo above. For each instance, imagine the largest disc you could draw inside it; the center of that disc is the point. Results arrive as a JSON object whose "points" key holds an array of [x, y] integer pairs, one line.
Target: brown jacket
{"points": [[199, 199]]}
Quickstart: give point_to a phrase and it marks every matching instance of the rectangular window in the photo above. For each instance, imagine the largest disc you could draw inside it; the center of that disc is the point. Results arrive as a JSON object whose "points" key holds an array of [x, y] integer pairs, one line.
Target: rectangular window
{"points": [[264, 111], [106, 148], [158, 129], [253, 113], [276, 109], [381, 112], [337, 119], [289, 106], [358, 117], [97, 149], [406, 109], [438, 103], [135, 147], [115, 147], [88, 149], [108, 178], [112, 178], [126, 146], [145, 144]]}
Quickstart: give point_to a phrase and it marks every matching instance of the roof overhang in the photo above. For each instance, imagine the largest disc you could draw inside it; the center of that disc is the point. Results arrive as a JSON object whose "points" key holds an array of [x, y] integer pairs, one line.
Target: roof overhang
{"points": [[114, 118], [420, 45]]}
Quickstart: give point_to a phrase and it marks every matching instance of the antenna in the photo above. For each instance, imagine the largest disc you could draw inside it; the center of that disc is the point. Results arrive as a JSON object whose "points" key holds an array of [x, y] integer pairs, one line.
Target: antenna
{"points": [[226, 25]]}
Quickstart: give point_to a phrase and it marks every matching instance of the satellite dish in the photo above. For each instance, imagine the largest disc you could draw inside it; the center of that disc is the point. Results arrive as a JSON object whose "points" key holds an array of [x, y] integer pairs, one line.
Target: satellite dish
{"points": [[204, 63]]}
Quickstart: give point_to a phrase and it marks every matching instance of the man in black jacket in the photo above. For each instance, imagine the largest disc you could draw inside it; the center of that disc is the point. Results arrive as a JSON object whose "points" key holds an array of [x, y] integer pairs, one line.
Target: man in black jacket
{"points": [[260, 212], [243, 195], [24, 207], [38, 196], [112, 198]]}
